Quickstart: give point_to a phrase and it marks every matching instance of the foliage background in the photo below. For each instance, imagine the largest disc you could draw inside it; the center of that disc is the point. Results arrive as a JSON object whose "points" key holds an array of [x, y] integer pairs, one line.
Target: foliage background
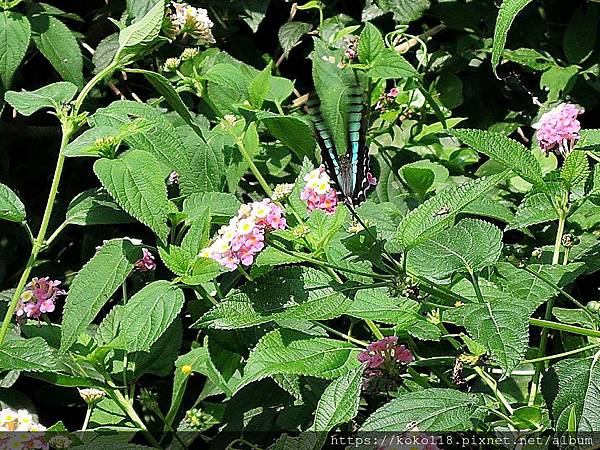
{"points": [[560, 61]]}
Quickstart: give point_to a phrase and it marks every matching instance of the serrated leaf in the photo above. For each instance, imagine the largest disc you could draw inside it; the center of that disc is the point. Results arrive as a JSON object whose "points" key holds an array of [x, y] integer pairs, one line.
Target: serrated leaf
{"points": [[93, 285], [469, 246], [575, 169], [433, 410], [290, 34], [294, 293], [439, 212], [199, 165], [293, 132], [86, 144], [134, 181], [530, 288], [534, 209], [50, 96], [32, 355], [221, 205], [14, 40], [95, 207], [11, 207], [165, 88], [390, 64], [148, 314], [572, 389], [144, 30], [259, 87], [506, 151], [58, 44], [404, 11], [501, 323], [376, 304], [293, 352], [197, 360], [508, 11], [323, 227], [370, 44], [339, 402]]}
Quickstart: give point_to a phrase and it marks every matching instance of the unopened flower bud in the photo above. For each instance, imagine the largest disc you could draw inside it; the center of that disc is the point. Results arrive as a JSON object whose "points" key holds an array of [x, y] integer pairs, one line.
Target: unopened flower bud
{"points": [[189, 53], [281, 191], [171, 64], [186, 370]]}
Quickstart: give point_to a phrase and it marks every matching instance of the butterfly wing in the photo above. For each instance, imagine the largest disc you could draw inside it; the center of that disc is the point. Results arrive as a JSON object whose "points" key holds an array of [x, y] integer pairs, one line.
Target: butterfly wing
{"points": [[349, 170], [358, 153], [324, 138]]}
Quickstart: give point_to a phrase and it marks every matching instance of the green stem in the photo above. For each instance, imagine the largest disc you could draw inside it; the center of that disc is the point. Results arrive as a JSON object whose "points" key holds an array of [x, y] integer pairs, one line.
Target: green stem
{"points": [[560, 290], [125, 355], [374, 328], [88, 87], [418, 378], [127, 408], [547, 314], [563, 354], [340, 334], [253, 168], [67, 131], [557, 242], [25, 226], [39, 240], [86, 420], [369, 322], [564, 327], [320, 263], [475, 281], [493, 385], [55, 234]]}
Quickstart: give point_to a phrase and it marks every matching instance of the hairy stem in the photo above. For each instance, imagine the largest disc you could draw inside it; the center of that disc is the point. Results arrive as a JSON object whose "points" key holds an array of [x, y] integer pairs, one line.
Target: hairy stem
{"points": [[68, 129], [547, 314], [39, 240], [253, 168]]}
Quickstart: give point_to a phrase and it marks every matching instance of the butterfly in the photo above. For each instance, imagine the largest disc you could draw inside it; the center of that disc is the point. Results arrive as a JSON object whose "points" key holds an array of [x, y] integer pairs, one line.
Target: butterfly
{"points": [[350, 168]]}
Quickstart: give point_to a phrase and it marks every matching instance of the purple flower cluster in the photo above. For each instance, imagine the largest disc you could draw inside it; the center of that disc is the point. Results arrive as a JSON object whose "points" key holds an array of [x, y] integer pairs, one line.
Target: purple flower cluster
{"points": [[558, 129], [384, 359], [38, 298], [239, 241], [146, 262]]}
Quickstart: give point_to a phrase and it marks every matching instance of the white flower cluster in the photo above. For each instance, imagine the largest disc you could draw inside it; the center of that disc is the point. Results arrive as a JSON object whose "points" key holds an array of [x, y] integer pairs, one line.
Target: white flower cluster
{"points": [[187, 19], [21, 420]]}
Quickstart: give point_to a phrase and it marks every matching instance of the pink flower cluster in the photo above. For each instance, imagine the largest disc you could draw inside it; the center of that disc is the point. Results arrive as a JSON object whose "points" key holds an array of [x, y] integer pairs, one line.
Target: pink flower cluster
{"points": [[558, 129], [38, 298], [146, 262], [239, 241], [386, 98], [384, 358], [318, 192]]}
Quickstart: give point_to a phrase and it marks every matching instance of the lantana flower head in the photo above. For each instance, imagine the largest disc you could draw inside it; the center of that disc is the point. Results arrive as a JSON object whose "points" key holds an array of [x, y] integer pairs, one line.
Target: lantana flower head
{"points": [[38, 298], [187, 19], [385, 361], [21, 420], [243, 237], [558, 129], [318, 192], [146, 262]]}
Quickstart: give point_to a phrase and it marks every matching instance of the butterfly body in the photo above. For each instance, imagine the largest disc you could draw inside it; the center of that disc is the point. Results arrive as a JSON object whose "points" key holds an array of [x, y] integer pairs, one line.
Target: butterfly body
{"points": [[349, 167]]}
